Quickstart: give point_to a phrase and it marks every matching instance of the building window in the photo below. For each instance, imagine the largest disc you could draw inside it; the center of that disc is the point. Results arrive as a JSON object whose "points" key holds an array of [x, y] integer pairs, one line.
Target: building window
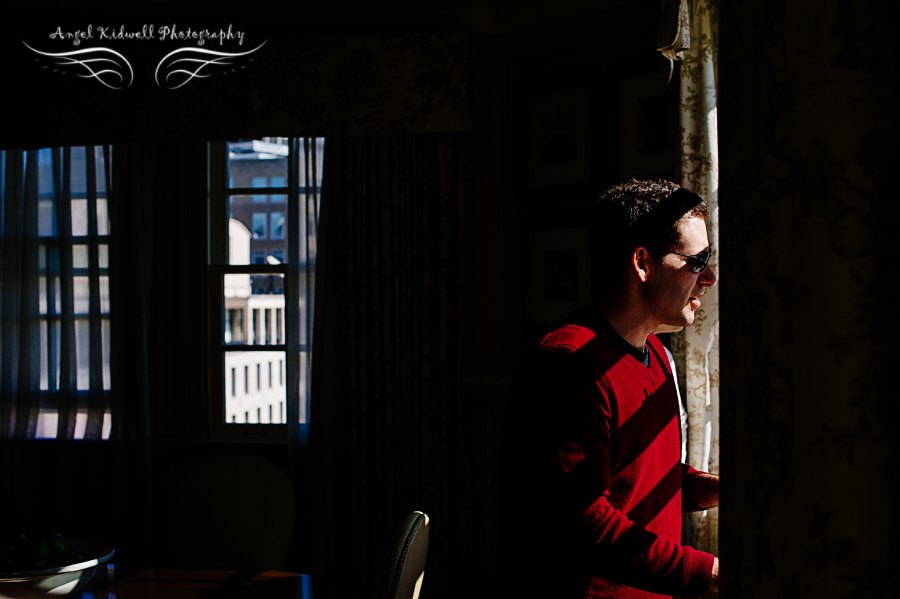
{"points": [[276, 222], [259, 225], [263, 253], [279, 198], [259, 182]]}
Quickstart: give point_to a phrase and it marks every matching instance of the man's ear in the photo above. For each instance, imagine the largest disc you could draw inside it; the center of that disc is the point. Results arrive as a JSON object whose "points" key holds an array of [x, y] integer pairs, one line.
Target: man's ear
{"points": [[641, 262]]}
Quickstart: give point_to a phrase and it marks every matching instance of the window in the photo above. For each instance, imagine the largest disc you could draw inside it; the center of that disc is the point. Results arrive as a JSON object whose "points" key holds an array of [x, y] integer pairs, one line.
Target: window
{"points": [[263, 256], [259, 182], [54, 227], [276, 224], [259, 225], [234, 325], [278, 182]]}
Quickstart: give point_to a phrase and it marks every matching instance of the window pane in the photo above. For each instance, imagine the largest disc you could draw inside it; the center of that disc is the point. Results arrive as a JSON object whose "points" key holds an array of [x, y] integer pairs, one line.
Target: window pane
{"points": [[251, 158], [105, 338], [79, 218], [80, 256], [46, 218], [45, 173], [256, 230], [83, 354], [100, 171], [104, 294], [252, 400], [42, 295], [45, 362], [78, 173], [102, 216], [82, 295], [254, 309]]}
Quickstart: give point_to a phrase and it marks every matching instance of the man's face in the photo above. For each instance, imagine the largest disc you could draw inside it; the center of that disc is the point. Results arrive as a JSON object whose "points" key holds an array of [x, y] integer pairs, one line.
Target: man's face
{"points": [[678, 288]]}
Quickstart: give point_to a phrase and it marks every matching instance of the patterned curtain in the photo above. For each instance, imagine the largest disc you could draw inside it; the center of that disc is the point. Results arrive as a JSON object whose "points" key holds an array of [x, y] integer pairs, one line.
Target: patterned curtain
{"points": [[696, 348]]}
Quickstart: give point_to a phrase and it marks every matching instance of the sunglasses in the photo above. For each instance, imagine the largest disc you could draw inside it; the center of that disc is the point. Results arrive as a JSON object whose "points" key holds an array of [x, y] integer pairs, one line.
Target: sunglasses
{"points": [[698, 262]]}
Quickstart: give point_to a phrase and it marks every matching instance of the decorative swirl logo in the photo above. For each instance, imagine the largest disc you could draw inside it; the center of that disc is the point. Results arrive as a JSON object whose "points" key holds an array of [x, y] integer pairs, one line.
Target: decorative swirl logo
{"points": [[199, 63], [98, 67]]}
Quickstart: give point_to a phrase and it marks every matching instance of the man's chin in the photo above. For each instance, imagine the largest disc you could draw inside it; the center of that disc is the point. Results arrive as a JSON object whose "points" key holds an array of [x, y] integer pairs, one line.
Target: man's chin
{"points": [[667, 328]]}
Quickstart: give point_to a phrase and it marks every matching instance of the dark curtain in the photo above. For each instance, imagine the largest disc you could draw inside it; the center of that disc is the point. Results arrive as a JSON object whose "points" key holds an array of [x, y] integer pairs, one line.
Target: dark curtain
{"points": [[387, 431], [128, 303], [159, 220], [56, 399]]}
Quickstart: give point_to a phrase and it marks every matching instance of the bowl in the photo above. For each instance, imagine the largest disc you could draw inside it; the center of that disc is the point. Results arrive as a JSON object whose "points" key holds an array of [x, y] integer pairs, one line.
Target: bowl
{"points": [[56, 582]]}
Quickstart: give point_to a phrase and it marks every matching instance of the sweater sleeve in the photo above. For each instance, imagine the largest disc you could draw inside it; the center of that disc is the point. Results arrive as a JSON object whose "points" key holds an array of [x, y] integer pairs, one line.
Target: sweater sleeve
{"points": [[688, 494], [622, 550]]}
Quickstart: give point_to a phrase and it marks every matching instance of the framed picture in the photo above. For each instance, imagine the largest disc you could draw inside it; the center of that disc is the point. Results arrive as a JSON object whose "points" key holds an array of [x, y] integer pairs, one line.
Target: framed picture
{"points": [[559, 149], [648, 130], [557, 271]]}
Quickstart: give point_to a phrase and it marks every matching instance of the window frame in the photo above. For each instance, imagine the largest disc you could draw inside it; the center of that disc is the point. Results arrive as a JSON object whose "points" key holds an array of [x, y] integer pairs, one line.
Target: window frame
{"points": [[219, 192]]}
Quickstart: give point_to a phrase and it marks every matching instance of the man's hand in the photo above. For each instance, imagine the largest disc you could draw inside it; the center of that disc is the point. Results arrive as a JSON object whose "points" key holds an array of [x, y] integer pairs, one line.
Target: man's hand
{"points": [[706, 491], [714, 578]]}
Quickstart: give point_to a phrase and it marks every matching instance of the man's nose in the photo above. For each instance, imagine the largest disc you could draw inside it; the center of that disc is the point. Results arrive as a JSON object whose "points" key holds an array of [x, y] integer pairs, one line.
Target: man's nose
{"points": [[708, 277]]}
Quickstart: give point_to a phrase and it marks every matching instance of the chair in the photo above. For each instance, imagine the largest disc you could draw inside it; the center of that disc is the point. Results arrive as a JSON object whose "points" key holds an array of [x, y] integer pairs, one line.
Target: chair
{"points": [[403, 566]]}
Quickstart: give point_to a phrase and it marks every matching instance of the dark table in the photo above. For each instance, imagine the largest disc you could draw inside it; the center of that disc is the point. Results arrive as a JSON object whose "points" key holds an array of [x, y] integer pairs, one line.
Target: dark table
{"points": [[197, 584]]}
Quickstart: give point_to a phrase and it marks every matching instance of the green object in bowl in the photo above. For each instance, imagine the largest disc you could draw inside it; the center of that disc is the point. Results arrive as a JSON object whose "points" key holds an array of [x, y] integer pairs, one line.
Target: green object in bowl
{"points": [[57, 546], [31, 553]]}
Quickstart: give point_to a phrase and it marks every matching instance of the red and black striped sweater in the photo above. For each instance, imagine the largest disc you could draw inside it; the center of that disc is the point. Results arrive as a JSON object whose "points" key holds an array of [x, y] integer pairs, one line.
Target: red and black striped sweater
{"points": [[592, 487]]}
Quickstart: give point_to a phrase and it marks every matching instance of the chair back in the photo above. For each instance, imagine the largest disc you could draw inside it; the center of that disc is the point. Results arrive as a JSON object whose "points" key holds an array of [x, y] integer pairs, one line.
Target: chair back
{"points": [[403, 566]]}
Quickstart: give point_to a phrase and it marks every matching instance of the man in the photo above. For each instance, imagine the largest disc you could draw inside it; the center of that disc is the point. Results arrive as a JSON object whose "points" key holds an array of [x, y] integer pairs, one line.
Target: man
{"points": [[592, 484]]}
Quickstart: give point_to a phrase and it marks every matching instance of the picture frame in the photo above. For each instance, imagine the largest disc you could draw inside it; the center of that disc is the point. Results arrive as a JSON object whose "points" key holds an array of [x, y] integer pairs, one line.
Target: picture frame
{"points": [[560, 150], [648, 133], [556, 270]]}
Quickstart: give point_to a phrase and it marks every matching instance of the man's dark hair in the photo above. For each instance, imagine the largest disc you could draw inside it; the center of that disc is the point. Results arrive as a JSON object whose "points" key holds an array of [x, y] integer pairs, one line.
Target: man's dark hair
{"points": [[637, 213]]}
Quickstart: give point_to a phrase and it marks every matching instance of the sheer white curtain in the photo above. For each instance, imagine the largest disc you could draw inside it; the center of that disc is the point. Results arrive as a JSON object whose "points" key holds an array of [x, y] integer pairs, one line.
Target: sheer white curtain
{"points": [[54, 294], [690, 28]]}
